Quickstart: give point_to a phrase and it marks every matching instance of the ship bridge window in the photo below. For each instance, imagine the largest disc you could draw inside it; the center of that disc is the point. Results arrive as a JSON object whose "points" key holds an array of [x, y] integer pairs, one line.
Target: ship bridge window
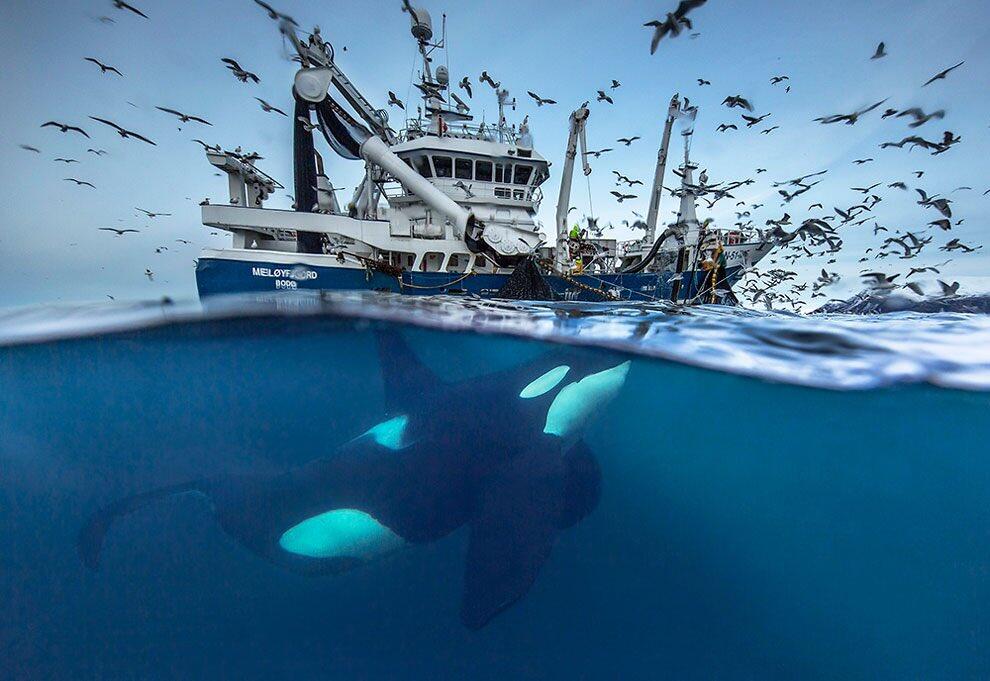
{"points": [[523, 173], [444, 166], [422, 165], [463, 169], [503, 173], [483, 171]]}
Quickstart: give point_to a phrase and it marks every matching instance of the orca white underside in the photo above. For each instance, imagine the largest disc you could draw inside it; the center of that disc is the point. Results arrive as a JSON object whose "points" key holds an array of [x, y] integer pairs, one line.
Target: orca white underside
{"points": [[341, 533]]}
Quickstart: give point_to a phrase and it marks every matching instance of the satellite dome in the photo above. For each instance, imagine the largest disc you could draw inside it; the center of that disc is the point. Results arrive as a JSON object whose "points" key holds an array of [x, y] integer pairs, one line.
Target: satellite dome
{"points": [[422, 24]]}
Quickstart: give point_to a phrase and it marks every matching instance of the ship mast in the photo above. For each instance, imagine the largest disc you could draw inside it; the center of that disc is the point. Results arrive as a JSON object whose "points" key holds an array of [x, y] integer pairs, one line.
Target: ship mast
{"points": [[687, 217]]}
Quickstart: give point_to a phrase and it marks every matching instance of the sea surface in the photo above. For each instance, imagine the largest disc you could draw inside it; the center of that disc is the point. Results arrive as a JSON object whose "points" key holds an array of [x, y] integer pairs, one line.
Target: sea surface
{"points": [[782, 497]]}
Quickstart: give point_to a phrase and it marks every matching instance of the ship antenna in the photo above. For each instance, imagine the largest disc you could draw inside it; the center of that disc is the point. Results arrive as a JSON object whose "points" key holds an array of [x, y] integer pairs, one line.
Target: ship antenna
{"points": [[446, 50]]}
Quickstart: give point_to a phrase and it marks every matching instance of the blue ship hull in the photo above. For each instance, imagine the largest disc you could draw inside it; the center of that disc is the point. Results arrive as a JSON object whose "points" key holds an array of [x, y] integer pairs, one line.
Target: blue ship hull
{"points": [[218, 276]]}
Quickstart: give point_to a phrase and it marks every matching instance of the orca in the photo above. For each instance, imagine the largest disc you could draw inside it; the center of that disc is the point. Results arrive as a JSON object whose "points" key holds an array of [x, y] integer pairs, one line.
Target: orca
{"points": [[501, 453]]}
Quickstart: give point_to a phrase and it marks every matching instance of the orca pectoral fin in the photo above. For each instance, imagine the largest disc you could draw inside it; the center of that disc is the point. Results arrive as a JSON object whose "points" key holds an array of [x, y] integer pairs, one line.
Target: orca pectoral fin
{"points": [[513, 531]]}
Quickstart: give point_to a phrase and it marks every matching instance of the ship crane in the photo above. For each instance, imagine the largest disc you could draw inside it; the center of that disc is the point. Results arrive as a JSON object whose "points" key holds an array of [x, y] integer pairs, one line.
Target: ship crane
{"points": [[578, 124], [320, 71]]}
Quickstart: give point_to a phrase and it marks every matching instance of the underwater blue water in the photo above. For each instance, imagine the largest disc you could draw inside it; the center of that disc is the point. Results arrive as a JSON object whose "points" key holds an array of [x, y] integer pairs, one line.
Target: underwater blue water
{"points": [[781, 497]]}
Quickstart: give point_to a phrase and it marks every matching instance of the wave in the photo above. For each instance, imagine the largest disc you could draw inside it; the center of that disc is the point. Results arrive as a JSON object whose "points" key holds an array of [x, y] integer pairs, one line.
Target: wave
{"points": [[870, 302], [853, 349]]}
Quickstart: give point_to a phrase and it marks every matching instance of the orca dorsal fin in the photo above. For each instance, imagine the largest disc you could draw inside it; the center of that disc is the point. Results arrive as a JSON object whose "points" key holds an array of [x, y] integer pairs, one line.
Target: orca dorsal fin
{"points": [[404, 376]]}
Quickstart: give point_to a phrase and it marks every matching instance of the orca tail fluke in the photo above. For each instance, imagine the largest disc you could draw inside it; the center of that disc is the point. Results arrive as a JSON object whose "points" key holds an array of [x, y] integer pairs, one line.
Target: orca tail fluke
{"points": [[92, 534]]}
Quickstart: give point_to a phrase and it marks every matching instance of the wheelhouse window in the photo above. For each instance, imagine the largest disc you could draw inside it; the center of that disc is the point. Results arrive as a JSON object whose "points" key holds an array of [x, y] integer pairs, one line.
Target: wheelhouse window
{"points": [[422, 166], [523, 173], [503, 173], [444, 166], [463, 169], [483, 171]]}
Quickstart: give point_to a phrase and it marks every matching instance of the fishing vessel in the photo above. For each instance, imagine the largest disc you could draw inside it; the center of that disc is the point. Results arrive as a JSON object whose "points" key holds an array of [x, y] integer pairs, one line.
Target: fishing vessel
{"points": [[446, 205]]}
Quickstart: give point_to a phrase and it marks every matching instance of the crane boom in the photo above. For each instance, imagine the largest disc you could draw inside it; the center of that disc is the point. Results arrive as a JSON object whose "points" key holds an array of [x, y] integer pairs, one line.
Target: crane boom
{"points": [[316, 54], [652, 215], [578, 123]]}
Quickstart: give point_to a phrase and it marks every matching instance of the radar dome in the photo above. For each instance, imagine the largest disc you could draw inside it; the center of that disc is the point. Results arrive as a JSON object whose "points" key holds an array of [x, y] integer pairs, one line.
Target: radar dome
{"points": [[422, 24], [443, 76]]}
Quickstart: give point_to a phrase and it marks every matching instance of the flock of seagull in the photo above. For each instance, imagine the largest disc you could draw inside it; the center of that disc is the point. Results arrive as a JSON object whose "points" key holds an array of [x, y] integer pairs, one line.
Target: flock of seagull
{"points": [[817, 235], [241, 74]]}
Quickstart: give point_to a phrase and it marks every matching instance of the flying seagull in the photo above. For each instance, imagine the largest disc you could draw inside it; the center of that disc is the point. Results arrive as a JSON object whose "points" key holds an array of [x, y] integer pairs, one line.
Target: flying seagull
{"points": [[942, 74], [65, 128], [881, 51], [465, 84], [675, 22], [920, 117], [737, 101], [153, 215], [268, 108], [238, 72], [104, 68], [98, 152], [602, 97], [628, 140], [753, 120], [395, 101], [622, 197], [485, 78], [119, 232], [120, 4], [540, 101], [122, 132], [80, 182], [185, 118], [66, 160], [275, 14], [850, 119], [206, 146], [28, 147]]}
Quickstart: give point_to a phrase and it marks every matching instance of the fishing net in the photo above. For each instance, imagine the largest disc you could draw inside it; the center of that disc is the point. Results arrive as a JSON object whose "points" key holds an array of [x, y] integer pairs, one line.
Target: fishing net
{"points": [[526, 283]]}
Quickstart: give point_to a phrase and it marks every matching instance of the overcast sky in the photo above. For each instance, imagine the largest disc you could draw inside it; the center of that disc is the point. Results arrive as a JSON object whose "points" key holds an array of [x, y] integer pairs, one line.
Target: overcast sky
{"points": [[52, 251]]}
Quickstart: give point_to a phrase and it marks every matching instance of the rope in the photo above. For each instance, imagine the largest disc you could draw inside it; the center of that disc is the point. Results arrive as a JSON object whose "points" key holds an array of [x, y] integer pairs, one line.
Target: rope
{"points": [[591, 205], [402, 284], [713, 288], [549, 269], [584, 287]]}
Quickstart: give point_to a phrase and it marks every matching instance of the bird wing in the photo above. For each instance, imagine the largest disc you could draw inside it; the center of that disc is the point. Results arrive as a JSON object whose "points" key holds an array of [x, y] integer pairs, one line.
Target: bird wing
{"points": [[686, 6], [231, 63], [135, 135], [124, 5], [200, 120], [271, 10], [171, 111], [106, 122]]}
